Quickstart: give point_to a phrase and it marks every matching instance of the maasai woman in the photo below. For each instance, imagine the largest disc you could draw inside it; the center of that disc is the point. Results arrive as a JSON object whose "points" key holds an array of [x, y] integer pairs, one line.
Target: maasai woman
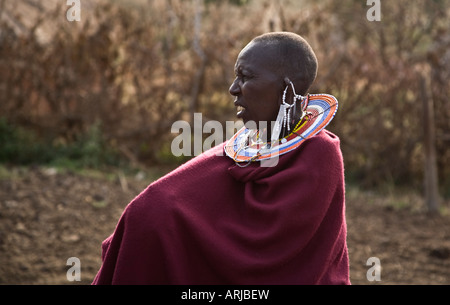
{"points": [[270, 210]]}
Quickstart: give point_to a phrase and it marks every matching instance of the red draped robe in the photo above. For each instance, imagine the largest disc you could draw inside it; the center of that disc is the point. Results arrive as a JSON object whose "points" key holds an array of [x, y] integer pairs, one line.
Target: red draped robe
{"points": [[212, 222]]}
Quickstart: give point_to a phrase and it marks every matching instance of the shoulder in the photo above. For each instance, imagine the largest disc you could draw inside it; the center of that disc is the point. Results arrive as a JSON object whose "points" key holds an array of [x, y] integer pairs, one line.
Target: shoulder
{"points": [[325, 143], [321, 154], [325, 138]]}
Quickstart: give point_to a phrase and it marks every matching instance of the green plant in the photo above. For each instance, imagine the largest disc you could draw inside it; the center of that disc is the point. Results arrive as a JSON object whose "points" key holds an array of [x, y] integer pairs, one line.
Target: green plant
{"points": [[89, 149]]}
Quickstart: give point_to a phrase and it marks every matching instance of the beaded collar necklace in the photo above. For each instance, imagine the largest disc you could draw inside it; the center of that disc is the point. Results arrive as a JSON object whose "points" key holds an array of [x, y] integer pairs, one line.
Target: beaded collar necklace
{"points": [[247, 146]]}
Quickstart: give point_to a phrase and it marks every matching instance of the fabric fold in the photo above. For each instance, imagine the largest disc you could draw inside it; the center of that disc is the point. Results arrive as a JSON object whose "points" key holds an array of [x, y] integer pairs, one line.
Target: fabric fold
{"points": [[213, 222]]}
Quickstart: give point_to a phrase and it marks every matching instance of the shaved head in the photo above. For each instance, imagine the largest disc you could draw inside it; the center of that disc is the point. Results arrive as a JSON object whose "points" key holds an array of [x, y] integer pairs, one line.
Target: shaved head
{"points": [[264, 68], [292, 57]]}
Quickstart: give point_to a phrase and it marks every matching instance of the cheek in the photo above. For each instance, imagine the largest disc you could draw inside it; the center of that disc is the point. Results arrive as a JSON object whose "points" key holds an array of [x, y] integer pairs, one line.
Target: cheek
{"points": [[270, 111], [256, 93], [262, 103], [268, 104]]}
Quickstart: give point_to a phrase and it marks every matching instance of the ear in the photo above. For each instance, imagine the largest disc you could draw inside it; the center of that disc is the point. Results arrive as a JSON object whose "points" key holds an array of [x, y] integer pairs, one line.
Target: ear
{"points": [[283, 86], [286, 82], [289, 93]]}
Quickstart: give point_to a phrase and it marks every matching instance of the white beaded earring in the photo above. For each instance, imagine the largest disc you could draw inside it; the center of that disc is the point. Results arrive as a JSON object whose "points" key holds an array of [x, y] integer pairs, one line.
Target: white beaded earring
{"points": [[285, 114]]}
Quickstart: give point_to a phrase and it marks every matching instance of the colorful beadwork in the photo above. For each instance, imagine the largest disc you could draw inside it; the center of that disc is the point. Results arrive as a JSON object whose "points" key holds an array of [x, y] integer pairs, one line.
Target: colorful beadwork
{"points": [[320, 110]]}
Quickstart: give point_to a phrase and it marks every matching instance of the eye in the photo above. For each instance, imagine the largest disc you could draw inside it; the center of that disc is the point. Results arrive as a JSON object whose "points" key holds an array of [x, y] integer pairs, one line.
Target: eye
{"points": [[243, 77]]}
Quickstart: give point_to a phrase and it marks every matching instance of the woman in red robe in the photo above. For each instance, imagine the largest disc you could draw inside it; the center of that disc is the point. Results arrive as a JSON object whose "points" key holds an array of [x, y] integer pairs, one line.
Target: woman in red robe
{"points": [[265, 207]]}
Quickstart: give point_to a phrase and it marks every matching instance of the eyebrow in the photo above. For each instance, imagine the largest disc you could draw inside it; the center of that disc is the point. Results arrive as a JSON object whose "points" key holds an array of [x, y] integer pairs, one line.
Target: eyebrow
{"points": [[242, 70]]}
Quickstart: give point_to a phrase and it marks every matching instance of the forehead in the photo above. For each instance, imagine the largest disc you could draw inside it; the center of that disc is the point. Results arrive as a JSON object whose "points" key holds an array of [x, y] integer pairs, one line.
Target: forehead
{"points": [[257, 57]]}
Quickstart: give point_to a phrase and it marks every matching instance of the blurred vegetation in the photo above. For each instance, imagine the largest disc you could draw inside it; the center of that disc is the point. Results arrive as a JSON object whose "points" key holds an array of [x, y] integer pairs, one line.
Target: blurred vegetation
{"points": [[110, 87], [25, 148]]}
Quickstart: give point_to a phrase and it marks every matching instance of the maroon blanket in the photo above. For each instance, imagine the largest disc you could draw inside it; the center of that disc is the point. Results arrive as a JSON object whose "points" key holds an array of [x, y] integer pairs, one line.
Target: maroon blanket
{"points": [[212, 222]]}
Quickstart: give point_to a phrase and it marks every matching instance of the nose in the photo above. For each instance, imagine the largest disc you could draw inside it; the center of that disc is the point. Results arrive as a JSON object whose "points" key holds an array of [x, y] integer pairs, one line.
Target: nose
{"points": [[234, 88]]}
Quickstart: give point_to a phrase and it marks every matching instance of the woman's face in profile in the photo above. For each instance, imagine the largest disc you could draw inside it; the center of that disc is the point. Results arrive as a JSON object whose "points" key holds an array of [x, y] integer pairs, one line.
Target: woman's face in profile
{"points": [[258, 86]]}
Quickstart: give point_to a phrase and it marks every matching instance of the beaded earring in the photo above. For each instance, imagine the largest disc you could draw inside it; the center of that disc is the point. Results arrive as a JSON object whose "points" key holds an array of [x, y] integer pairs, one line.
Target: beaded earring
{"points": [[285, 116]]}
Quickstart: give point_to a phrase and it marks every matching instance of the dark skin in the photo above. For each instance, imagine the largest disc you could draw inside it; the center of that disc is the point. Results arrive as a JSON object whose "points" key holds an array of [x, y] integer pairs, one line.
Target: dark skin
{"points": [[258, 86]]}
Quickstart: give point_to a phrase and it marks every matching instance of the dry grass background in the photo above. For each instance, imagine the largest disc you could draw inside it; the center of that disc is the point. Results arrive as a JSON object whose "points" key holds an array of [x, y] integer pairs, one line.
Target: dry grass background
{"points": [[122, 75], [134, 67]]}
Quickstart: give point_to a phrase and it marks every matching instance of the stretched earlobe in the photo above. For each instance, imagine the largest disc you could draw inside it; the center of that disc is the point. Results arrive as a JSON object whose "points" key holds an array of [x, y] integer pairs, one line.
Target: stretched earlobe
{"points": [[287, 81]]}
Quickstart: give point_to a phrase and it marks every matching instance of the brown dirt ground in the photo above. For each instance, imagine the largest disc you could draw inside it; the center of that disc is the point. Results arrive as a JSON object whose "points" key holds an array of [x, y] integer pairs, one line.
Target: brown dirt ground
{"points": [[47, 216]]}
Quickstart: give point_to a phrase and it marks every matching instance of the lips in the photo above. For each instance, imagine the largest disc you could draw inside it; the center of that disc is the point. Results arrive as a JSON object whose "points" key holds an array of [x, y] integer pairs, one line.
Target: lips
{"points": [[240, 109]]}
